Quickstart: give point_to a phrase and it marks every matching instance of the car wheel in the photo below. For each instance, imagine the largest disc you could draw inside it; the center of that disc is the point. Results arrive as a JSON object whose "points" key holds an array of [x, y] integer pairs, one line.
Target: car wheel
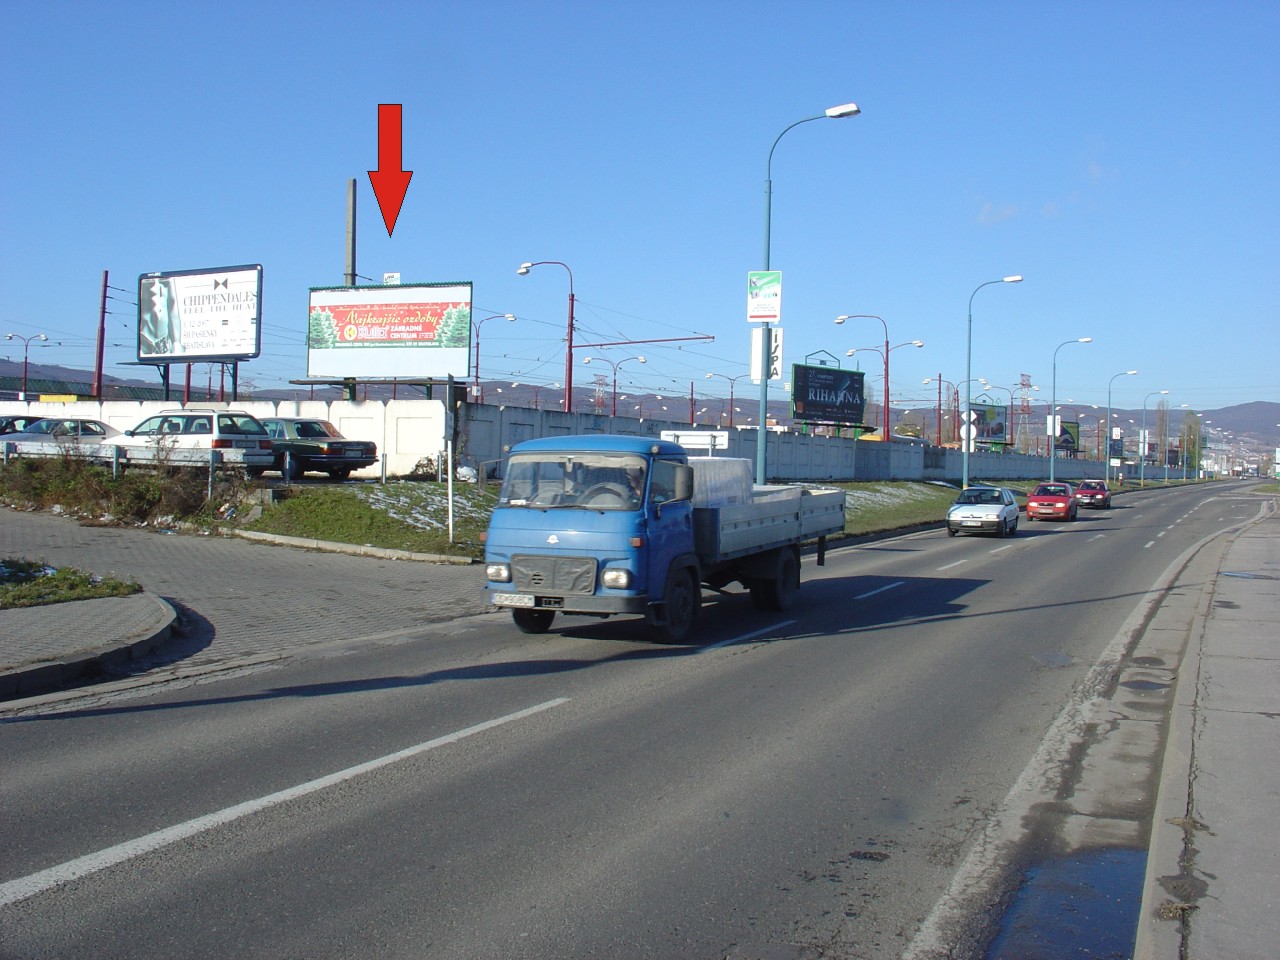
{"points": [[1013, 527], [951, 531], [340, 475]]}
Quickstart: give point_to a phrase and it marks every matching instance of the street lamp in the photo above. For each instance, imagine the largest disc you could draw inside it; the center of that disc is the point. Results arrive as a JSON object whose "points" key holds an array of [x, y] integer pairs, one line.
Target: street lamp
{"points": [[475, 389], [1142, 443], [614, 408], [26, 349], [884, 355], [1052, 425], [766, 333], [1126, 373], [871, 316], [968, 373], [732, 381], [523, 271]]}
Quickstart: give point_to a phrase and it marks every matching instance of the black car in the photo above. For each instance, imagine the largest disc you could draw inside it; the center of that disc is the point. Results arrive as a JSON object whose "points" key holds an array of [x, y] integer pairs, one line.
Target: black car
{"points": [[306, 445]]}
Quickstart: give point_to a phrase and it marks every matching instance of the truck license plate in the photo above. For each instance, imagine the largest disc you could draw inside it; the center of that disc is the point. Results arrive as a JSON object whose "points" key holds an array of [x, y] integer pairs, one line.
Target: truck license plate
{"points": [[513, 600]]}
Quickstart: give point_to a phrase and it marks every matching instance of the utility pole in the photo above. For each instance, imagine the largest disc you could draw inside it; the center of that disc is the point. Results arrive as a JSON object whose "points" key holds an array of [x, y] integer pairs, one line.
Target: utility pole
{"points": [[102, 337]]}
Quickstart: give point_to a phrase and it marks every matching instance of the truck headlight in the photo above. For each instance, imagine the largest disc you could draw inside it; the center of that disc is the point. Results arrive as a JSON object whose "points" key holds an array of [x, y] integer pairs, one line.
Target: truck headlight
{"points": [[616, 578], [498, 572]]}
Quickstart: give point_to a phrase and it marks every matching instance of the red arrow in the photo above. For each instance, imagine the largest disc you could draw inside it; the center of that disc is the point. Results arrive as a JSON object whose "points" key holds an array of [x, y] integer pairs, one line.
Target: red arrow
{"points": [[390, 181]]}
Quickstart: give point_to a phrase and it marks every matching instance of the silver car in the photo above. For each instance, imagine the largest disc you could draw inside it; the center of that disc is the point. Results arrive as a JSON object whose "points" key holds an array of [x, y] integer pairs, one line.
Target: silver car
{"points": [[982, 509]]}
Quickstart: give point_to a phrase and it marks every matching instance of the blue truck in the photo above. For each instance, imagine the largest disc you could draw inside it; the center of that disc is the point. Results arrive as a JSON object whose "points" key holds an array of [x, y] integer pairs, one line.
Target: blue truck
{"points": [[602, 525]]}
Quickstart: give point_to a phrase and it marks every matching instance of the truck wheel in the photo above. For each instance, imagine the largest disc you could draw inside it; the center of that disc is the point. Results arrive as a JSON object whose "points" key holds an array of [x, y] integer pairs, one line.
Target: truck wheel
{"points": [[683, 599], [533, 621], [780, 591]]}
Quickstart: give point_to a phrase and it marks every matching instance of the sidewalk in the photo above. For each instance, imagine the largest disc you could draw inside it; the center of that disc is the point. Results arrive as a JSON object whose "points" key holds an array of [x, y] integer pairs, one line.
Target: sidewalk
{"points": [[1213, 871]]}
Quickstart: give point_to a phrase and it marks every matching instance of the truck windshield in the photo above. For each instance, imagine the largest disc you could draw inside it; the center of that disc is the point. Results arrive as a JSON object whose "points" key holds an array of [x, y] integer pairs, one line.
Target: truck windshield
{"points": [[596, 481]]}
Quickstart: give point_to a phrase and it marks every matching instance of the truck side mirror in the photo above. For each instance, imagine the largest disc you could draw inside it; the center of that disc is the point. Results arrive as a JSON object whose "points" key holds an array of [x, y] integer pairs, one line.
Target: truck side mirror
{"points": [[683, 485]]}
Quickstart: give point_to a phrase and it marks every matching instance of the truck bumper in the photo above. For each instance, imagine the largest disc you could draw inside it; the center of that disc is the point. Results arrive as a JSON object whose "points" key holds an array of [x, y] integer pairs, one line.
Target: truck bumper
{"points": [[593, 605]]}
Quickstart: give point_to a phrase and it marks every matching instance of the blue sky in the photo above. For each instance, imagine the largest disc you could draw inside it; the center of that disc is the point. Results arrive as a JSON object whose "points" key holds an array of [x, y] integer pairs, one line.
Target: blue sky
{"points": [[1121, 156]]}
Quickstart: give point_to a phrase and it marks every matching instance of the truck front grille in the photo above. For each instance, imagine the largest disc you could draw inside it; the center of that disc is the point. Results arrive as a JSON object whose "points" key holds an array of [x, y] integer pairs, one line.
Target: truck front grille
{"points": [[556, 575]]}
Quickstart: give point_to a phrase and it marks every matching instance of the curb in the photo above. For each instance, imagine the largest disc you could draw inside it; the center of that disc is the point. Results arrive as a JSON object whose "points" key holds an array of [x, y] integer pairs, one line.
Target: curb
{"points": [[44, 676], [355, 549]]}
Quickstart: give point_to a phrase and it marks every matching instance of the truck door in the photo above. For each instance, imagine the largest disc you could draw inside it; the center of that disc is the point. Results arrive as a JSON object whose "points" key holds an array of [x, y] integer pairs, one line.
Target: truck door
{"points": [[670, 525]]}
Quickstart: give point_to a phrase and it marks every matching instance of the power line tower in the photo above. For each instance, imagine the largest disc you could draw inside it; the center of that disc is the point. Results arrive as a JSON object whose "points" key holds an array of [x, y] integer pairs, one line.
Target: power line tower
{"points": [[1022, 431]]}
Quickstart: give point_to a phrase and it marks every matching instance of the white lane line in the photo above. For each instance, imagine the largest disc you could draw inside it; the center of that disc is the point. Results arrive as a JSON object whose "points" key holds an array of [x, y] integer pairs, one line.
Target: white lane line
{"points": [[23, 888], [1007, 546], [948, 566], [1149, 544], [747, 636], [1096, 536], [887, 586], [1161, 534]]}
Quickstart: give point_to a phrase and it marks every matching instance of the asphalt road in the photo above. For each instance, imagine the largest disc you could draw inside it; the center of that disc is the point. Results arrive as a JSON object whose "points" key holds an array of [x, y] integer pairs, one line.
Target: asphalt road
{"points": [[802, 785]]}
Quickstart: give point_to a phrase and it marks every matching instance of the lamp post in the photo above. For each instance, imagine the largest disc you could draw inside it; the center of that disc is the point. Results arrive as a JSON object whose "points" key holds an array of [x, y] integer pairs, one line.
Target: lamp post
{"points": [[968, 373], [614, 407], [884, 355], [1142, 443], [523, 271], [766, 333], [1052, 425], [732, 381], [26, 350], [1125, 373], [475, 389]]}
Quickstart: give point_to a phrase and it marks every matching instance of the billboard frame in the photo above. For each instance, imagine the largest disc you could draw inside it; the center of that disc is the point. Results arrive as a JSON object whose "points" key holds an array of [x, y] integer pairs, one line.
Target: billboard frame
{"points": [[162, 325]]}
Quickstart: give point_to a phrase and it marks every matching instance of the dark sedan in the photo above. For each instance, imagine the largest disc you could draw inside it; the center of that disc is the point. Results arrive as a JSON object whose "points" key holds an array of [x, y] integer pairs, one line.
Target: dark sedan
{"points": [[305, 445]]}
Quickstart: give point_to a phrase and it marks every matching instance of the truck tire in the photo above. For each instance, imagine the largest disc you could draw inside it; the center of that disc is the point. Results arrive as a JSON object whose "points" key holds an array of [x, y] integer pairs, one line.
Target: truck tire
{"points": [[684, 596], [779, 592], [533, 621]]}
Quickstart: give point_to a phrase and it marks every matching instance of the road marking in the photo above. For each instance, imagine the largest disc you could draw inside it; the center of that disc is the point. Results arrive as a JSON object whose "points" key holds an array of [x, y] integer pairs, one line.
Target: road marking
{"points": [[1151, 543], [747, 636], [1096, 536], [1161, 534], [25, 887], [998, 549], [887, 586], [950, 565]]}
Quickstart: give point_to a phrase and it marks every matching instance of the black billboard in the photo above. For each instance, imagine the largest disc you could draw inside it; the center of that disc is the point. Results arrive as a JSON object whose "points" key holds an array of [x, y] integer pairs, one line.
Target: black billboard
{"points": [[827, 395]]}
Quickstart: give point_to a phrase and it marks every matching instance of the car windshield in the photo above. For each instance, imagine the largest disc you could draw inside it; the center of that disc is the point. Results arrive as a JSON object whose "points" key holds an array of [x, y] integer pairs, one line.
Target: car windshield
{"points": [[979, 496], [240, 423], [1091, 485], [43, 426], [603, 481], [316, 429], [1050, 490]]}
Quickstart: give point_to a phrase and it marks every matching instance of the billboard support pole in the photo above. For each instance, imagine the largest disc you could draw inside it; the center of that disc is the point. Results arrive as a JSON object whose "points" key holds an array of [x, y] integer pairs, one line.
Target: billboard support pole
{"points": [[351, 233]]}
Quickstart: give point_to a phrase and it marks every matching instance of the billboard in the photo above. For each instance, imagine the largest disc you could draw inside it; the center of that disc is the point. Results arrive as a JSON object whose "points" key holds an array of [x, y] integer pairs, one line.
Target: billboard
{"points": [[991, 423], [409, 330], [827, 395], [185, 316], [1068, 439]]}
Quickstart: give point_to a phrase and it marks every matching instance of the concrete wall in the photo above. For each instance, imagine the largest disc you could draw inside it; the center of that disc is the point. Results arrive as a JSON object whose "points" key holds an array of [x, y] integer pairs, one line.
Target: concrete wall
{"points": [[409, 432]]}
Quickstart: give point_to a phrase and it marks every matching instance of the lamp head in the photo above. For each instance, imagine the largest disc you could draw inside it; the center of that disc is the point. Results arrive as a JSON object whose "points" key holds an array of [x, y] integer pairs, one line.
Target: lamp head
{"points": [[523, 269], [1016, 278], [1130, 373], [842, 318], [1085, 340], [844, 110], [917, 343]]}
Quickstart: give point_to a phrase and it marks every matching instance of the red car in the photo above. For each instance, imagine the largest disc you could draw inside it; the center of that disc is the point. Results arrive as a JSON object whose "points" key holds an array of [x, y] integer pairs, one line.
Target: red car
{"points": [[1052, 501], [1094, 493]]}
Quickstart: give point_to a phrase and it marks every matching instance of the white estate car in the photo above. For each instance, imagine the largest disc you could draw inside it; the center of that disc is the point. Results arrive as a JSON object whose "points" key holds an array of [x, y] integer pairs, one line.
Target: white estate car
{"points": [[188, 436], [982, 509]]}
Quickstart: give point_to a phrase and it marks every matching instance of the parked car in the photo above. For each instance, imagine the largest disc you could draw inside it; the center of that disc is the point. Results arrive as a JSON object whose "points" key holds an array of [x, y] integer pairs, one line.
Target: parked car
{"points": [[1094, 493], [1052, 501], [982, 509], [187, 436], [63, 430], [16, 423], [304, 445]]}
